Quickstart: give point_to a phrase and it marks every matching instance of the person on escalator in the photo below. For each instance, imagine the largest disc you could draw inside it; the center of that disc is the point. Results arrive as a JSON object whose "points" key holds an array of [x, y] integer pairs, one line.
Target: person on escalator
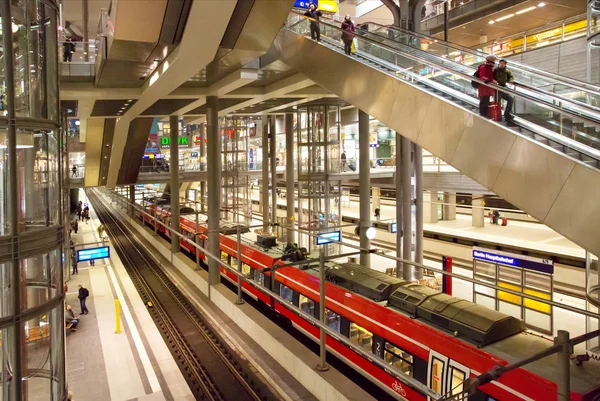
{"points": [[348, 34], [503, 76], [315, 14], [486, 73]]}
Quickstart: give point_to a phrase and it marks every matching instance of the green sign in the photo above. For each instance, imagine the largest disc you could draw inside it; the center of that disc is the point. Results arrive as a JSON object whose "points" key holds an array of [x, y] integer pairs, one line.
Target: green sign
{"points": [[182, 140]]}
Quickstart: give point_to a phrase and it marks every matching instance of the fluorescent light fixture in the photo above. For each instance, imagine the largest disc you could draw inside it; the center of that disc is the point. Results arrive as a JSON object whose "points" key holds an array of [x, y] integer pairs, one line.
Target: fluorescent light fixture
{"points": [[505, 17], [491, 22], [542, 4], [525, 10]]}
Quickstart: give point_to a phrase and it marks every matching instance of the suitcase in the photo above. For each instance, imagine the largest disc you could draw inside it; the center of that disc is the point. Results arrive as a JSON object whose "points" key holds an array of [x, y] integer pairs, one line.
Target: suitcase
{"points": [[504, 221], [495, 111]]}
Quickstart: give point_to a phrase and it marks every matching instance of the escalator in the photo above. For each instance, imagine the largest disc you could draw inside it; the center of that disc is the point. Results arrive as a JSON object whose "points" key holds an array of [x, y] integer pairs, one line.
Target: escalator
{"points": [[428, 99]]}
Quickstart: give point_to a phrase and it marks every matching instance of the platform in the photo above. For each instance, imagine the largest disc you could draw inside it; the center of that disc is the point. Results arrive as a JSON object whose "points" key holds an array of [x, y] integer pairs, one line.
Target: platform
{"points": [[105, 366]]}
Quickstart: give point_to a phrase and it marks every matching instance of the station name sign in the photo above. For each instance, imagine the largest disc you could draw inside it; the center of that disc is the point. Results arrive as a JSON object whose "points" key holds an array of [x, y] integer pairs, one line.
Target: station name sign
{"points": [[508, 259]]}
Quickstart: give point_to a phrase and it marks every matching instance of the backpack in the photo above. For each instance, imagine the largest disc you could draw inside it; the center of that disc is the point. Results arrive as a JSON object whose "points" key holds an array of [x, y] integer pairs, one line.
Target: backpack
{"points": [[86, 293], [475, 84]]}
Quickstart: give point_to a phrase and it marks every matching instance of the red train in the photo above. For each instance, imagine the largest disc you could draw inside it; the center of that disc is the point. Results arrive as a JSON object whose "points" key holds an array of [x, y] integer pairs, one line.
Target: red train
{"points": [[437, 339]]}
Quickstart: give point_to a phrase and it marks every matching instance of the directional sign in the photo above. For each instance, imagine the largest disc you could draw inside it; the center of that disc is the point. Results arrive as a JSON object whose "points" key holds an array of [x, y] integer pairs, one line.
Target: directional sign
{"points": [[93, 254], [510, 259], [328, 238]]}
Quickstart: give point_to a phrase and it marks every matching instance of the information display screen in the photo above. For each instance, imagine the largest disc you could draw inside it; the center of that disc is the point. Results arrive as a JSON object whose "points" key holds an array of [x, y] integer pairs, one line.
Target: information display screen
{"points": [[328, 238], [93, 254]]}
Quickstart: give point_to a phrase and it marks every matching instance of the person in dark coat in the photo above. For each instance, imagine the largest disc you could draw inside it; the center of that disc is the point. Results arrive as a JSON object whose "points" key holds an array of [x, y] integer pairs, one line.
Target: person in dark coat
{"points": [[68, 50], [503, 76], [486, 73], [83, 294], [315, 29], [348, 34]]}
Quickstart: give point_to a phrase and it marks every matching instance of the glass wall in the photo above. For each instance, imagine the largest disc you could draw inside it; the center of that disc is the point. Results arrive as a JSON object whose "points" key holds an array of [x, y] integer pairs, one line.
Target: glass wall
{"points": [[31, 206]]}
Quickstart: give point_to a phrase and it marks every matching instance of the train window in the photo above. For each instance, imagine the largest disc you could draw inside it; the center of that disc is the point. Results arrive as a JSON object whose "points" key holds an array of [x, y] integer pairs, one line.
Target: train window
{"points": [[286, 293], [333, 320], [246, 270], [224, 256], [307, 305], [259, 277], [457, 379], [437, 375], [399, 358], [361, 337]]}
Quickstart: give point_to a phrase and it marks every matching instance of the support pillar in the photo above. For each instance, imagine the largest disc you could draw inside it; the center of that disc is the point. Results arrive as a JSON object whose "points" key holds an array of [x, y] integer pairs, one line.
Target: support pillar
{"points": [[174, 147], [399, 195], [214, 186], [364, 174], [86, 38], [406, 209], [375, 199], [264, 195], [289, 175], [419, 207], [273, 159], [477, 213], [132, 200], [430, 214], [449, 206], [202, 167]]}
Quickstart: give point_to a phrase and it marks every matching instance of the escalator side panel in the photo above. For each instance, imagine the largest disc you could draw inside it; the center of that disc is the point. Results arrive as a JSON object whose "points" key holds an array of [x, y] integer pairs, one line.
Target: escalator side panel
{"points": [[526, 173], [581, 191]]}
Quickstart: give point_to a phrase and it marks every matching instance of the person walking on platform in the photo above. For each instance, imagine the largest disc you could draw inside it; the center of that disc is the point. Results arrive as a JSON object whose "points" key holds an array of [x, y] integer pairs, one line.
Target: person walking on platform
{"points": [[343, 161], [377, 213], [315, 14], [503, 76], [75, 226], [486, 73], [83, 294], [74, 261], [348, 34]]}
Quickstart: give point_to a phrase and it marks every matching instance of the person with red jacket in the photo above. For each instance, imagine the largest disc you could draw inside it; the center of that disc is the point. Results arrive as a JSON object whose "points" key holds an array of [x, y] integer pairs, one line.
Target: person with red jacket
{"points": [[348, 34], [486, 73]]}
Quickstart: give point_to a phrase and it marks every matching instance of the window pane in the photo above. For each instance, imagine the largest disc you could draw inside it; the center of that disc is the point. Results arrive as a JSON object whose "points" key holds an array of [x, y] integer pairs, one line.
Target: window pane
{"points": [[259, 277], [333, 320], [399, 358], [246, 270], [361, 337], [437, 374], [457, 380], [307, 305], [286, 293]]}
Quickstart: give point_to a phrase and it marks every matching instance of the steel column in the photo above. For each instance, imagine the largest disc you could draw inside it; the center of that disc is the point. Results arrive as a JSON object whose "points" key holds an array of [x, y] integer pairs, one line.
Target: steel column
{"points": [[174, 183], [406, 212], [273, 157], [289, 175], [264, 196], [399, 209], [419, 204], [13, 341], [563, 363], [322, 366], [214, 186], [446, 21], [364, 176], [132, 200], [86, 37], [203, 167]]}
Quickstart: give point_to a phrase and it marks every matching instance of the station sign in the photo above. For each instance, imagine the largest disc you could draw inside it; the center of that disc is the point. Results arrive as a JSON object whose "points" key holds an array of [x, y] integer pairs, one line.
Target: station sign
{"points": [[183, 141], [329, 6], [515, 260], [328, 238], [102, 252], [393, 227]]}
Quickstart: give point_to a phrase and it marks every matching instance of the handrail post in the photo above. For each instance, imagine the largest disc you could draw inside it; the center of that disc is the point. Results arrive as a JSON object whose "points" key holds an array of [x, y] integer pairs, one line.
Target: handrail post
{"points": [[322, 366], [563, 364], [239, 300]]}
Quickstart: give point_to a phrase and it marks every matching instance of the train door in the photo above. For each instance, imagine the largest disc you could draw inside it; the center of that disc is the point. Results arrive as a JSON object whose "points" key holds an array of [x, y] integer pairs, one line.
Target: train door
{"points": [[444, 375]]}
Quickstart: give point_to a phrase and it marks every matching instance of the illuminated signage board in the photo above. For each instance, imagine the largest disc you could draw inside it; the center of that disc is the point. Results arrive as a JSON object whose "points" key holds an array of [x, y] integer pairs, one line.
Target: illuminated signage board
{"points": [[328, 6], [93, 254], [328, 238], [165, 141], [393, 227], [509, 259]]}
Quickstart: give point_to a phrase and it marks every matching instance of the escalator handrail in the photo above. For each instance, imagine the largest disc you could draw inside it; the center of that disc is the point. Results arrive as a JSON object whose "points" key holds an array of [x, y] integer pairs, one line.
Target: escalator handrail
{"points": [[591, 108], [461, 74], [572, 82]]}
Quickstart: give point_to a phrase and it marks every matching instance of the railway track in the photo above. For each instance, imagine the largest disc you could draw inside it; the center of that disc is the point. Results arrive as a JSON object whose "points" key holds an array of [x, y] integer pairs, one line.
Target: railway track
{"points": [[211, 368]]}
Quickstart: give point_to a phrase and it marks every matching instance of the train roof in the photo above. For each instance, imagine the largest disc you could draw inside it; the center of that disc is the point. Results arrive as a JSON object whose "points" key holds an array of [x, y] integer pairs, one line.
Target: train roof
{"points": [[362, 280]]}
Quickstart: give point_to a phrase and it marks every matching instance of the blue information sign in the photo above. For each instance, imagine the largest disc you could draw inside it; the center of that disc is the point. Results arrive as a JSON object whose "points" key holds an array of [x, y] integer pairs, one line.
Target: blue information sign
{"points": [[93, 253], [305, 3], [328, 238], [393, 227], [509, 259]]}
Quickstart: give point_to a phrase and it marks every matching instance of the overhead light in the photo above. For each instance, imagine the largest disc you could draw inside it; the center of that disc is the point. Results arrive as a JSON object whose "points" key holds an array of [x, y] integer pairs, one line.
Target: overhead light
{"points": [[370, 233], [491, 22], [542, 4], [15, 28], [77, 122], [505, 17], [526, 10], [130, 100]]}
